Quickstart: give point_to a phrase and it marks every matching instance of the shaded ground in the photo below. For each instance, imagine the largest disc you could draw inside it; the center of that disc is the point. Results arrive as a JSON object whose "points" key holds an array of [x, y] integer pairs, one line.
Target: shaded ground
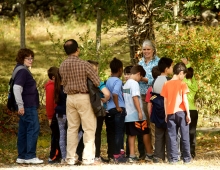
{"points": [[198, 165], [208, 152]]}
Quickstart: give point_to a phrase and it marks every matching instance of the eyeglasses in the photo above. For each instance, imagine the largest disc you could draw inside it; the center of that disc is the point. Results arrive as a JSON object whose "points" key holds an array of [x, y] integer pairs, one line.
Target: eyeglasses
{"points": [[30, 59]]}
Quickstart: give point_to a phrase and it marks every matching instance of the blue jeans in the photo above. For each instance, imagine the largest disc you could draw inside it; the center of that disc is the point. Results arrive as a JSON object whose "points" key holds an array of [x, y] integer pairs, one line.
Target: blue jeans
{"points": [[28, 133], [175, 121], [115, 131]]}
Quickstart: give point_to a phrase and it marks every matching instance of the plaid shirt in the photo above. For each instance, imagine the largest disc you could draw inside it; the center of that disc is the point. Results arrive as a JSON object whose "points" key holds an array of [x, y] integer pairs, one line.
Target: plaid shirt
{"points": [[74, 73]]}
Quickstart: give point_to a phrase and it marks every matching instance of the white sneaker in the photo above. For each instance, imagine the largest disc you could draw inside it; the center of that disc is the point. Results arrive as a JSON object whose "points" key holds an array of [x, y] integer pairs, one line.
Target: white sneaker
{"points": [[34, 161], [63, 161], [70, 161], [20, 161]]}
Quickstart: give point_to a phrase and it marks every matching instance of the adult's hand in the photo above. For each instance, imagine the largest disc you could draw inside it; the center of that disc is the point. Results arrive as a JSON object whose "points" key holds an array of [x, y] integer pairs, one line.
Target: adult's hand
{"points": [[184, 60], [21, 111]]}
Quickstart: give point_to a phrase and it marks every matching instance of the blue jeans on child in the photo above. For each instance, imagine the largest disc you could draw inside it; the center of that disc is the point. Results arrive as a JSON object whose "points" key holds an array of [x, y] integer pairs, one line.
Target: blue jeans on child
{"points": [[28, 133], [175, 121], [115, 131]]}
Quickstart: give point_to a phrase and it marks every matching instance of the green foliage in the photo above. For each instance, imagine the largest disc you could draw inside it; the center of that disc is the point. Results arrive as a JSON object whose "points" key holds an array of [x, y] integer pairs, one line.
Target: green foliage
{"points": [[195, 7], [200, 45], [88, 51], [111, 10]]}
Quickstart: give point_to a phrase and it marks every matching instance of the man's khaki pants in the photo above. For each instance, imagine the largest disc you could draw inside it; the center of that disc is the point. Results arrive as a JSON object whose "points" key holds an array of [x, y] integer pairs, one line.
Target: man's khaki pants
{"points": [[79, 110]]}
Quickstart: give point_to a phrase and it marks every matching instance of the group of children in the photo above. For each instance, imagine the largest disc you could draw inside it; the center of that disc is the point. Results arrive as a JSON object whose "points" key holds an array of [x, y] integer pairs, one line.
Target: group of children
{"points": [[124, 113]]}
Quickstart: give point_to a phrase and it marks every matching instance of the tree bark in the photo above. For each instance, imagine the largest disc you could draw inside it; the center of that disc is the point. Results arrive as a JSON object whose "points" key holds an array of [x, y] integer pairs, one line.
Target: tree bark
{"points": [[22, 23], [98, 31], [140, 26]]}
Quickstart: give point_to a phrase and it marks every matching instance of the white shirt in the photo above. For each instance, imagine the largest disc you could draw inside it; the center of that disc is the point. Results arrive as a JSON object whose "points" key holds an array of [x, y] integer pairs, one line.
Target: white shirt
{"points": [[131, 89]]}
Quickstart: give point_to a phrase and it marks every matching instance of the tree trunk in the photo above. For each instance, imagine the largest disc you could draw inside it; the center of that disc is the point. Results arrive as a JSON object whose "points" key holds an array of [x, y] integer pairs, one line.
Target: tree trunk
{"points": [[22, 23], [98, 31], [140, 26]]}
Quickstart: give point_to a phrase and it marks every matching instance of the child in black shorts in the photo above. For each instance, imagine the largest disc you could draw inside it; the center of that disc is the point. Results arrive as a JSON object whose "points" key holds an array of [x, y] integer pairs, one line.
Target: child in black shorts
{"points": [[135, 119]]}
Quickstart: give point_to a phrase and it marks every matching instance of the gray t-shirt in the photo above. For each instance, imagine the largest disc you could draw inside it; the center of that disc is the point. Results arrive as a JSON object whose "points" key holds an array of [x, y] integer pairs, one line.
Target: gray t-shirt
{"points": [[158, 84]]}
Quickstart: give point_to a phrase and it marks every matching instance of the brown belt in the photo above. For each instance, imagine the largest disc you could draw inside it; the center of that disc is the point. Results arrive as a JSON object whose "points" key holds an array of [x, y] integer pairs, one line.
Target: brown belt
{"points": [[81, 93]]}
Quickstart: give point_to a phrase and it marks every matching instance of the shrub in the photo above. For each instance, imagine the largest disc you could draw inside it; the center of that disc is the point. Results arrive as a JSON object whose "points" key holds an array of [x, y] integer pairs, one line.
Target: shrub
{"points": [[200, 45]]}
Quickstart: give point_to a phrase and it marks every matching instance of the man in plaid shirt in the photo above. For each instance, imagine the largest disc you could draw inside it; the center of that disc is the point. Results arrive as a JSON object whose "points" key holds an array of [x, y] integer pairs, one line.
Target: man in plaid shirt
{"points": [[74, 73]]}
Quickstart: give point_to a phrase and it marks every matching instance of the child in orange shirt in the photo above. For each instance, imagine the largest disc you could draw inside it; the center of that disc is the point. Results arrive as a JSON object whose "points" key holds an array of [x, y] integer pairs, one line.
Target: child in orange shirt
{"points": [[177, 113]]}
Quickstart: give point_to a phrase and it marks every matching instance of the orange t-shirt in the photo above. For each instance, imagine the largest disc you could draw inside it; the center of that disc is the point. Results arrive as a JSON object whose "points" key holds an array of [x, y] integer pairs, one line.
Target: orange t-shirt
{"points": [[173, 91]]}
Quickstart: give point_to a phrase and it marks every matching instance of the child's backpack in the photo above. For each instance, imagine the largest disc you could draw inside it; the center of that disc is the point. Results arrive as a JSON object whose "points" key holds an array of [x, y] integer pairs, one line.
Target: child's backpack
{"points": [[158, 110], [11, 103]]}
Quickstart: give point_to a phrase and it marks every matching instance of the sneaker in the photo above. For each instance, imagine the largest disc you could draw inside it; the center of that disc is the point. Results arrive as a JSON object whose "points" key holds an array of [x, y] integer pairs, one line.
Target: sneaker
{"points": [[97, 160], [78, 162], [149, 158], [157, 160], [88, 162], [187, 162], [34, 161], [20, 161], [50, 161], [120, 159], [174, 162], [63, 161], [105, 160], [110, 160], [70, 161], [142, 157], [132, 160]]}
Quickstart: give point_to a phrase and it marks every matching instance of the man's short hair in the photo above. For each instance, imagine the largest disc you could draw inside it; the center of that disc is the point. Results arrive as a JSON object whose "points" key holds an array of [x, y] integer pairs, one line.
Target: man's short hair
{"points": [[127, 69], [155, 72], [70, 46], [190, 73], [138, 68], [164, 63], [115, 65], [179, 67]]}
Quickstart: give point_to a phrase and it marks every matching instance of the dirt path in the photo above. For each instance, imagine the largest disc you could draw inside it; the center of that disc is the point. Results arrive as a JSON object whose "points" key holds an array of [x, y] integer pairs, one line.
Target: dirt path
{"points": [[213, 164]]}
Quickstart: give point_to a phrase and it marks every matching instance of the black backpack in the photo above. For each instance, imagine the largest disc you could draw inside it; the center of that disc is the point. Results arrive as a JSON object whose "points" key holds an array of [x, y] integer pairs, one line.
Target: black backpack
{"points": [[11, 103], [158, 111]]}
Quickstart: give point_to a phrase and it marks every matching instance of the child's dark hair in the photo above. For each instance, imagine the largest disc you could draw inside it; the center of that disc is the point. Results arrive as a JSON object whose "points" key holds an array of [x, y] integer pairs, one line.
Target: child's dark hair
{"points": [[95, 63], [179, 67], [115, 65], [136, 69], [155, 72], [190, 73], [52, 71], [57, 84], [127, 69], [164, 63]]}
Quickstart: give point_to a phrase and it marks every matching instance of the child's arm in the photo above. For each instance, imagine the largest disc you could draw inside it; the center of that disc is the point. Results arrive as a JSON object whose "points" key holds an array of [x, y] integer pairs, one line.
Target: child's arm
{"points": [[147, 99], [106, 93], [115, 99], [186, 104], [138, 107], [165, 108], [149, 108], [50, 102]]}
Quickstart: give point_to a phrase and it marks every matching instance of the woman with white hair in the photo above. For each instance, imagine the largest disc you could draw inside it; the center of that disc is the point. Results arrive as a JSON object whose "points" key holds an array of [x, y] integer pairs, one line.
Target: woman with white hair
{"points": [[148, 61]]}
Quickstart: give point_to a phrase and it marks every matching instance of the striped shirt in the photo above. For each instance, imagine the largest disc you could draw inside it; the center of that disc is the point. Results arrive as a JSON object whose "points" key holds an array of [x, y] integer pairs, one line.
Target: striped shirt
{"points": [[74, 73]]}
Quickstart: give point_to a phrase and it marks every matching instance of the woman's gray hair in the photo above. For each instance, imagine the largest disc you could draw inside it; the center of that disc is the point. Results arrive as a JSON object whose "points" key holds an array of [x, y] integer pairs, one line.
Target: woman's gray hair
{"points": [[151, 44]]}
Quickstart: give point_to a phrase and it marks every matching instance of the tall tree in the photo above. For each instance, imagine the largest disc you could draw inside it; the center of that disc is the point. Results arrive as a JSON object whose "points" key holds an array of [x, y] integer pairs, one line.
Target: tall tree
{"points": [[140, 25], [22, 23]]}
